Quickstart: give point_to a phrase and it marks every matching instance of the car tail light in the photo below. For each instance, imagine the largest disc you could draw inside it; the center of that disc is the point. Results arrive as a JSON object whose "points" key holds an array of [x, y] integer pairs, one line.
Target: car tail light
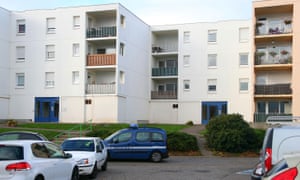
{"points": [[288, 174], [20, 166], [268, 159]]}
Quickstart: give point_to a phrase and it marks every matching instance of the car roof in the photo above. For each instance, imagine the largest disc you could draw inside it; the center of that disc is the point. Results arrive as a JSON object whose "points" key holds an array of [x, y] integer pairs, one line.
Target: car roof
{"points": [[40, 136], [23, 142], [83, 138]]}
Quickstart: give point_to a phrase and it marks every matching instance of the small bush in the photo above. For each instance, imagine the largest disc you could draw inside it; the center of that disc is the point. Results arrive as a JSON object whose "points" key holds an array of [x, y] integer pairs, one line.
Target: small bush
{"points": [[179, 141], [230, 133], [189, 123], [11, 123]]}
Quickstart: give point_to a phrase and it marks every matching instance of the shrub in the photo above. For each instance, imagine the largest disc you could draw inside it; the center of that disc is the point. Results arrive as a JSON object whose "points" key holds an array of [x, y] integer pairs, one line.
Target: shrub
{"points": [[230, 133], [11, 123], [179, 141], [189, 123]]}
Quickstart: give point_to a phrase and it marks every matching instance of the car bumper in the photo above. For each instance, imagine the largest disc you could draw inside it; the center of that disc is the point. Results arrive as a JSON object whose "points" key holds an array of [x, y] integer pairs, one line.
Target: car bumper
{"points": [[85, 169]]}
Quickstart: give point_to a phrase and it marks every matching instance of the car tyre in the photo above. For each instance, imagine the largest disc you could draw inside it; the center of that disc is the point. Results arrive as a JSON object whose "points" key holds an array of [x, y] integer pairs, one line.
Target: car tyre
{"points": [[104, 166], [156, 156], [75, 174], [94, 173], [39, 178]]}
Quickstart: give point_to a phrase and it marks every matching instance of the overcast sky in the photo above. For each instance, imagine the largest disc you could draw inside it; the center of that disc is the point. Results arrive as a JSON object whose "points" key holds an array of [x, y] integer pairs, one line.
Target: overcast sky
{"points": [[154, 12]]}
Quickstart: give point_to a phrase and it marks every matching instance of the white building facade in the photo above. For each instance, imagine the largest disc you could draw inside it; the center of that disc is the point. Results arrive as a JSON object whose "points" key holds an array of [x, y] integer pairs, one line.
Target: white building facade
{"points": [[103, 64]]}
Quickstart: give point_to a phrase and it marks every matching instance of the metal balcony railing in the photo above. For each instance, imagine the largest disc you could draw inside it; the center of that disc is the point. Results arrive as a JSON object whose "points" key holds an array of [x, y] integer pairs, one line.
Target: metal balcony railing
{"points": [[273, 89], [101, 88], [269, 28], [99, 32], [164, 48], [101, 59], [262, 117], [171, 71], [163, 94]]}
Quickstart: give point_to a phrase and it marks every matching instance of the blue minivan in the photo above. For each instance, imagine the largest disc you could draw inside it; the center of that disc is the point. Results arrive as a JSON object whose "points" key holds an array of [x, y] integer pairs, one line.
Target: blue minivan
{"points": [[138, 143]]}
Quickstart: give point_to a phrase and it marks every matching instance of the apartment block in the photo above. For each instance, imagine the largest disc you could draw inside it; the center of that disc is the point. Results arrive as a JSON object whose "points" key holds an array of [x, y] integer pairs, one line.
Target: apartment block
{"points": [[276, 69]]}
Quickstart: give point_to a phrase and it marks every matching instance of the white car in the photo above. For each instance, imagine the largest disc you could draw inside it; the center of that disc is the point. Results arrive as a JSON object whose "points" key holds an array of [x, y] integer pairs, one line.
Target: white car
{"points": [[35, 160], [90, 154]]}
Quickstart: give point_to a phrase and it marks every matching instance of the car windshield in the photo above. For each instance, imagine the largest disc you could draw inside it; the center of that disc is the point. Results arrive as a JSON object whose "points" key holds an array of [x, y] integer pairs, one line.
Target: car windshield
{"points": [[278, 167], [11, 152], [78, 145]]}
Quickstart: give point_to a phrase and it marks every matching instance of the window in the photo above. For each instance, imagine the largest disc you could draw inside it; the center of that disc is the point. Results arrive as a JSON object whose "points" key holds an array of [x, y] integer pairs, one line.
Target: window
{"points": [[20, 80], [244, 34], [76, 49], [244, 84], [75, 77], [76, 22], [21, 27], [186, 60], [157, 137], [122, 49], [212, 85], [124, 137], [122, 21], [50, 52], [212, 35], [143, 136], [49, 79], [186, 37], [212, 60], [186, 84], [243, 59], [51, 25], [122, 77], [20, 53], [171, 87]]}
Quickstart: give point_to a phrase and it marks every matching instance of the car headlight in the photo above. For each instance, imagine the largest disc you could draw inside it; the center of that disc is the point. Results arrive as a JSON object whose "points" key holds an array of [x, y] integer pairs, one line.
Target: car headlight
{"points": [[84, 161]]}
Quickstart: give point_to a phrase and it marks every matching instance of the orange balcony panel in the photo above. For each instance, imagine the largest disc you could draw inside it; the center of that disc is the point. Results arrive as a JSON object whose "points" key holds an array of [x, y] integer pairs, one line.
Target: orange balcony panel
{"points": [[101, 59]]}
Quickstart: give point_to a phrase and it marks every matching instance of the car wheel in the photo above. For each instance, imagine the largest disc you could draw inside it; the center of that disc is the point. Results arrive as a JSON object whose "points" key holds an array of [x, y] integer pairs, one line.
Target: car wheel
{"points": [[75, 174], [156, 157], [104, 166], [40, 177], [94, 172]]}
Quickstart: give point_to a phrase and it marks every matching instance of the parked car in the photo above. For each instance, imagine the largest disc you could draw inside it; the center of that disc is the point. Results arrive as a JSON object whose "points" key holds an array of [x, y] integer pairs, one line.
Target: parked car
{"points": [[278, 140], [90, 154], [286, 168], [138, 143], [35, 160], [22, 135]]}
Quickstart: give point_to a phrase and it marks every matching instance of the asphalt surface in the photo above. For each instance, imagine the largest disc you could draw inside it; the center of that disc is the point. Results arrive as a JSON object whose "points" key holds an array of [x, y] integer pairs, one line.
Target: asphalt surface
{"points": [[180, 168]]}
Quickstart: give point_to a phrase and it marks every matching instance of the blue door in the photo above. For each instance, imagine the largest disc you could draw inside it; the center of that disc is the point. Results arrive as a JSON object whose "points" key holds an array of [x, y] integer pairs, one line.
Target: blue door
{"points": [[46, 109], [212, 109]]}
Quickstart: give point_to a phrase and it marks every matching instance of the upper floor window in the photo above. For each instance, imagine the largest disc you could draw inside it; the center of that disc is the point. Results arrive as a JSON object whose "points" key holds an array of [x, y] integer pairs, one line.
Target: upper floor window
{"points": [[21, 26], [212, 60], [51, 25], [20, 80], [122, 49], [186, 60], [49, 79], [50, 52], [244, 85], [212, 36], [76, 22], [20, 53], [122, 77], [75, 49], [122, 20], [75, 77], [243, 59], [186, 36], [212, 85], [186, 84], [244, 34]]}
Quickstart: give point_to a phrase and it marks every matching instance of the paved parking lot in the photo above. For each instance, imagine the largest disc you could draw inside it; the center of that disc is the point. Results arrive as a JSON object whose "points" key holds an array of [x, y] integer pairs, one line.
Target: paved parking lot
{"points": [[180, 168]]}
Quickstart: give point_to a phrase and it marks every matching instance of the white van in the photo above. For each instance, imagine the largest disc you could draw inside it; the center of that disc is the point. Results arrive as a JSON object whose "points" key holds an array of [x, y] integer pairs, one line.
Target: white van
{"points": [[278, 141]]}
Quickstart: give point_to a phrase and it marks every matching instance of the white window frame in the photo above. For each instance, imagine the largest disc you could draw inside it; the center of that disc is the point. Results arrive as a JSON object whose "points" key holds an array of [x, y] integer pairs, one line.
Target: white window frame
{"points": [[186, 60], [212, 60], [122, 21], [187, 37], [19, 24], [122, 77], [122, 49], [50, 52], [244, 34], [212, 36], [20, 53], [20, 80], [76, 22], [75, 77], [49, 79], [51, 25], [212, 83], [76, 50], [241, 60], [244, 82], [186, 85]]}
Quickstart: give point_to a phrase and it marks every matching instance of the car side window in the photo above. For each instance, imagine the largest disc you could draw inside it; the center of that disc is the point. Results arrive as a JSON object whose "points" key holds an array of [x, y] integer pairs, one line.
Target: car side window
{"points": [[39, 150], [124, 137], [142, 136], [157, 137], [54, 151]]}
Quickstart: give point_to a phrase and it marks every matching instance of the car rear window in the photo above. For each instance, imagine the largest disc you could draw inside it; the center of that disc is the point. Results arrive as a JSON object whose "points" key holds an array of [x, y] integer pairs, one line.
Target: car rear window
{"points": [[9, 137], [11, 152], [78, 145]]}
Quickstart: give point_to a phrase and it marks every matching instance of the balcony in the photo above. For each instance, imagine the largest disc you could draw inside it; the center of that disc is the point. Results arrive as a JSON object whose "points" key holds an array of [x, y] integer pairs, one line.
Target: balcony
{"points": [[262, 117], [163, 94], [164, 48], [264, 57], [274, 89], [171, 71], [101, 59], [273, 27], [101, 88], [101, 32]]}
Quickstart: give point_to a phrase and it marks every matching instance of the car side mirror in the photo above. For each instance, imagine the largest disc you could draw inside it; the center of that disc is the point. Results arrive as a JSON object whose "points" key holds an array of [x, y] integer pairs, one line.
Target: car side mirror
{"points": [[68, 155]]}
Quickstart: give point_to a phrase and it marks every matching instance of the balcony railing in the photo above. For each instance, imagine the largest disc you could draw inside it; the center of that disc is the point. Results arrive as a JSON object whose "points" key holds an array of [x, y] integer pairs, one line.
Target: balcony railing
{"points": [[101, 32], [268, 28], [272, 57], [100, 88], [101, 59], [274, 89], [262, 117], [163, 94], [171, 71], [164, 48]]}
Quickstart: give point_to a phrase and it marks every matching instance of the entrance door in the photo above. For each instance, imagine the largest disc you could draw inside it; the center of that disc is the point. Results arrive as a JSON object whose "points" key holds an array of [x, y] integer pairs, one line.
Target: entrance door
{"points": [[212, 109], [46, 109]]}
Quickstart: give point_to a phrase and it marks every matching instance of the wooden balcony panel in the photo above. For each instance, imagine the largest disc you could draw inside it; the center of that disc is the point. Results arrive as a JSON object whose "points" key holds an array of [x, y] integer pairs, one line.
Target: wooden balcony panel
{"points": [[101, 59]]}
